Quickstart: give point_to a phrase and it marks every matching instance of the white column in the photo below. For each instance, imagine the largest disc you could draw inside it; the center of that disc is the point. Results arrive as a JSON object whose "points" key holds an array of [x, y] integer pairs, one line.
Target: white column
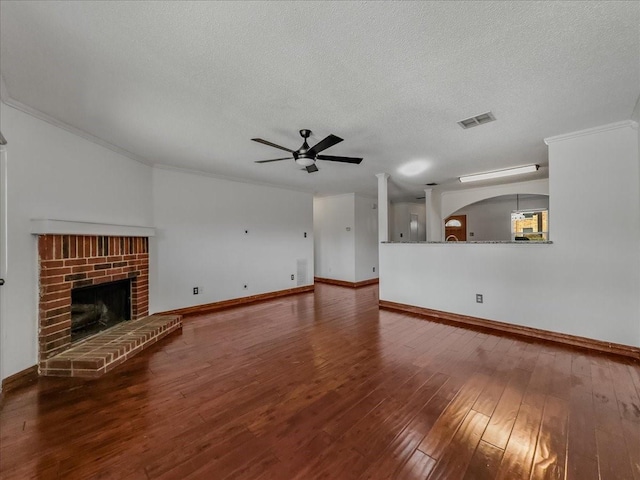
{"points": [[383, 208], [434, 216]]}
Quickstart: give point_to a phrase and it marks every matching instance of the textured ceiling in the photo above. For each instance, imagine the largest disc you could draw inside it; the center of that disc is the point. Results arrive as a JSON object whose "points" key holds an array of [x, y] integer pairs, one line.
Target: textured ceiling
{"points": [[189, 84]]}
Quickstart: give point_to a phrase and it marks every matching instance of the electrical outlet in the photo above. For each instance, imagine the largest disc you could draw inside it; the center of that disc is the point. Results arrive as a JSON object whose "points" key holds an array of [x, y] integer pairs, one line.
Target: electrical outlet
{"points": [[479, 298], [374, 269], [292, 277], [305, 234], [196, 290]]}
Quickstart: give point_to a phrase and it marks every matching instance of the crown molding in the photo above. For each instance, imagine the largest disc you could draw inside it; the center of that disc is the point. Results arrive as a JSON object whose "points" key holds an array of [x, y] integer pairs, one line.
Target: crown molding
{"points": [[591, 131], [98, 141], [228, 178], [4, 93], [635, 115], [10, 102], [332, 195]]}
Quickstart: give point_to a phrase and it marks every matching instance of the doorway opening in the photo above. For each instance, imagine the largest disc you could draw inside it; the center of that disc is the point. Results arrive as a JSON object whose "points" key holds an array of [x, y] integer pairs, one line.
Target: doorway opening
{"points": [[455, 228], [413, 228]]}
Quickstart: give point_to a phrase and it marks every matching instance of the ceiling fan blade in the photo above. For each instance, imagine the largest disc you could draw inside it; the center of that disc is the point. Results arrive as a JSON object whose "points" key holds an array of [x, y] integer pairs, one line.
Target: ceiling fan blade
{"points": [[330, 141], [332, 158], [312, 168], [273, 160], [265, 142]]}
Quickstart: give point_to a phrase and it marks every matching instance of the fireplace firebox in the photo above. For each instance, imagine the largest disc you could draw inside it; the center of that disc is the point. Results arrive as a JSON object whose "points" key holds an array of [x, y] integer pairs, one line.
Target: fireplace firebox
{"points": [[97, 308]]}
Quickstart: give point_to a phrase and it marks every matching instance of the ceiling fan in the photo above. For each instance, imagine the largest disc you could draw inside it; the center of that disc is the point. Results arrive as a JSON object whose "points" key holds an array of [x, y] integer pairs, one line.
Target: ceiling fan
{"points": [[306, 156]]}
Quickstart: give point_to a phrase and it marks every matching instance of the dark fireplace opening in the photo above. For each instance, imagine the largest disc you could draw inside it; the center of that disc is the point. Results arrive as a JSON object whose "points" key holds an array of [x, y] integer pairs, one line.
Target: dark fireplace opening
{"points": [[97, 308]]}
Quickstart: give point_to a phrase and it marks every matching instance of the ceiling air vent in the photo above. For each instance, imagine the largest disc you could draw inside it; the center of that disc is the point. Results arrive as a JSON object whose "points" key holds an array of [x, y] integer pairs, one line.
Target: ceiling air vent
{"points": [[431, 184], [477, 120]]}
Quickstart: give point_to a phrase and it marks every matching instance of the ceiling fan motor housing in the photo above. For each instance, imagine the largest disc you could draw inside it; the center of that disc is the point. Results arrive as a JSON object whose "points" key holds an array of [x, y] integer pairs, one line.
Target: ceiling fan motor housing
{"points": [[301, 157]]}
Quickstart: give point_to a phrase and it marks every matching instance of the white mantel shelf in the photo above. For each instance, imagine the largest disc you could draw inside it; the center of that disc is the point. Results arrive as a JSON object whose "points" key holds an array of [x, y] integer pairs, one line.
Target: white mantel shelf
{"points": [[65, 227]]}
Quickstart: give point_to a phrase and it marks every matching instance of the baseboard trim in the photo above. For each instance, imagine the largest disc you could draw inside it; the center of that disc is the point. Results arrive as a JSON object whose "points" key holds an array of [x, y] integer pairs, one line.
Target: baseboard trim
{"points": [[20, 379], [342, 283], [518, 330], [235, 302]]}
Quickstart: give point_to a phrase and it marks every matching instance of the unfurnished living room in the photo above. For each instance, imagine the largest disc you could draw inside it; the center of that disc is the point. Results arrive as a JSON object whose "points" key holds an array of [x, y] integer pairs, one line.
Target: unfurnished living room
{"points": [[281, 240]]}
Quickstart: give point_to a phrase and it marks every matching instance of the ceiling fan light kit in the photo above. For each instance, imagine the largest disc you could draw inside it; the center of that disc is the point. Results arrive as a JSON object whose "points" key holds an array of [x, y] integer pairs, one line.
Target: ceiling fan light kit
{"points": [[304, 161], [306, 156], [499, 173]]}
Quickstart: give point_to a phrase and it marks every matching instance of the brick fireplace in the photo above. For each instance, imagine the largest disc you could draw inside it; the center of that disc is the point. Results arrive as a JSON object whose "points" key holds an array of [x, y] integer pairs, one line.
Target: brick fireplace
{"points": [[69, 262]]}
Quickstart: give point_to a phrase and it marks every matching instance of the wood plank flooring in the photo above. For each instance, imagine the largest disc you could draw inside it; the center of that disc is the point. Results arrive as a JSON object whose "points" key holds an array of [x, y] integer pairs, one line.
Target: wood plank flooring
{"points": [[325, 386]]}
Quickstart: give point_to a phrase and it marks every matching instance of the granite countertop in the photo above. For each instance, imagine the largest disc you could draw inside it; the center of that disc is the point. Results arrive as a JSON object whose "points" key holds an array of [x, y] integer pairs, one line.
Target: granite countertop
{"points": [[506, 242]]}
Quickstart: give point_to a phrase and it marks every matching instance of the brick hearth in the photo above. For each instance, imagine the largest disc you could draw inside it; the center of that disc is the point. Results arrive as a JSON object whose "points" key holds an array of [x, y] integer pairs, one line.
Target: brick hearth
{"points": [[73, 261], [103, 352]]}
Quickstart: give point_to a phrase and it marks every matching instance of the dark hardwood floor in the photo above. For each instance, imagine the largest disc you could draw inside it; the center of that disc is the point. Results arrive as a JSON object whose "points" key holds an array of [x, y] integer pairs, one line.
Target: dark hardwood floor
{"points": [[324, 385]]}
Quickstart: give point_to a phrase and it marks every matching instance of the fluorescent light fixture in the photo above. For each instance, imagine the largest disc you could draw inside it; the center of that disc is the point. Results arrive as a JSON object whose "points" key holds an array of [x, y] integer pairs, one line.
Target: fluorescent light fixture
{"points": [[413, 168], [499, 173]]}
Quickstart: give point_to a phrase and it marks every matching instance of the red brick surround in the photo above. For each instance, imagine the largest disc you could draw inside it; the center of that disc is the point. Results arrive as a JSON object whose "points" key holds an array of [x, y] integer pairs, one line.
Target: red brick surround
{"points": [[73, 261]]}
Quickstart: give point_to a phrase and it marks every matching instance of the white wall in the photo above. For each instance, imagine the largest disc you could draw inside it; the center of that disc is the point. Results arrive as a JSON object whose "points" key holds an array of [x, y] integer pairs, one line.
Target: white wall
{"points": [[54, 174], [366, 238], [586, 283], [3, 248], [491, 219], [346, 237], [201, 242], [400, 216], [636, 118]]}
